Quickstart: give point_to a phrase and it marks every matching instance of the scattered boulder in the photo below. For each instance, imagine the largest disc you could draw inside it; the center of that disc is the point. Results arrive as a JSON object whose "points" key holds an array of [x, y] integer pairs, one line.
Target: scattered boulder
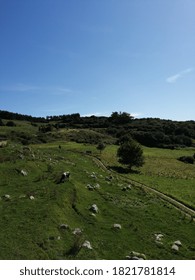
{"points": [[159, 237], [94, 208], [136, 256], [117, 226], [178, 243], [87, 245], [93, 214], [64, 226], [90, 188], [109, 178], [126, 188], [32, 197], [175, 248], [93, 175], [77, 231], [22, 196], [3, 144], [23, 172], [6, 197]]}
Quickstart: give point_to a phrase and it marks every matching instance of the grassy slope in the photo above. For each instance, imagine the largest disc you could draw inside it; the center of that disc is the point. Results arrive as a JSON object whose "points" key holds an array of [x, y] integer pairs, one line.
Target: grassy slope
{"points": [[163, 172], [30, 228]]}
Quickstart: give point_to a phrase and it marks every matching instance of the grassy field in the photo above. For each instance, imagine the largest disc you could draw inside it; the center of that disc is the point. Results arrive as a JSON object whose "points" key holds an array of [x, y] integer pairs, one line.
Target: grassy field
{"points": [[34, 207], [162, 171]]}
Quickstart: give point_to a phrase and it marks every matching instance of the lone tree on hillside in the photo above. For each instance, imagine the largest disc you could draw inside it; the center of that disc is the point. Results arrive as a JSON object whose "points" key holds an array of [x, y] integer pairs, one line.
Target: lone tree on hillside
{"points": [[101, 146], [130, 153]]}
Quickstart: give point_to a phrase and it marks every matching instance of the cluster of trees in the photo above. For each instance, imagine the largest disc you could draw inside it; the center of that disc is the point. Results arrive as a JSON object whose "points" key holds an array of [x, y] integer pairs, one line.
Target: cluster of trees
{"points": [[163, 133], [7, 123], [15, 116], [152, 132]]}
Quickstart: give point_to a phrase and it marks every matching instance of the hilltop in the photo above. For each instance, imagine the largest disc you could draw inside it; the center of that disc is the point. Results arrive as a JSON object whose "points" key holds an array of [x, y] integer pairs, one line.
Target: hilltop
{"points": [[151, 132]]}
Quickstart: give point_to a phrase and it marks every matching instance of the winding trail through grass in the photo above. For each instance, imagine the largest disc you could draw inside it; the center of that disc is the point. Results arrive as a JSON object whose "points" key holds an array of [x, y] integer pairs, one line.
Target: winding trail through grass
{"points": [[187, 210]]}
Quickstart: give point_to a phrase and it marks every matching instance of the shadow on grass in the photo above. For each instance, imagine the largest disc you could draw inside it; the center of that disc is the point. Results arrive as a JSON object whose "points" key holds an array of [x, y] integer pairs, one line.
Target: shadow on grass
{"points": [[123, 170]]}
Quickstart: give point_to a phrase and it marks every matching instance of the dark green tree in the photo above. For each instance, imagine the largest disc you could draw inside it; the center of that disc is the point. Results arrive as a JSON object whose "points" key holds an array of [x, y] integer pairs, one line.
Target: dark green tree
{"points": [[1, 122], [101, 146], [130, 153]]}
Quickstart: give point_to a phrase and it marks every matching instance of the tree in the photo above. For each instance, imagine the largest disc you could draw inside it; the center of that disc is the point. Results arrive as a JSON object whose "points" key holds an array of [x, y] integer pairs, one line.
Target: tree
{"points": [[130, 153], [101, 146], [120, 118], [10, 123], [1, 122]]}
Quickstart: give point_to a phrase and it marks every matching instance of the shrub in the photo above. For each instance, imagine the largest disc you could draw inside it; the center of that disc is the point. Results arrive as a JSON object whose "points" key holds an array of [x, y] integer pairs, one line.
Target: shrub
{"points": [[10, 123], [187, 159], [1, 122]]}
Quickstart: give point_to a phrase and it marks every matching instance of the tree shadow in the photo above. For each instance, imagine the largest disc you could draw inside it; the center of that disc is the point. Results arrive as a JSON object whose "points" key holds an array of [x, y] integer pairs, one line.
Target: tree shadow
{"points": [[123, 170]]}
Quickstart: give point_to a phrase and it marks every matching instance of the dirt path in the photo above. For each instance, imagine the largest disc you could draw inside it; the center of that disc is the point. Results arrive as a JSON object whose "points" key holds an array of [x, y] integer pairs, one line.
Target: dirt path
{"points": [[188, 211]]}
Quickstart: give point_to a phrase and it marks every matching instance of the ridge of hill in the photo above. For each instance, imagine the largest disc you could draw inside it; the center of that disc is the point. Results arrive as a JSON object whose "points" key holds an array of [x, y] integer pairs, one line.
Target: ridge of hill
{"points": [[151, 132]]}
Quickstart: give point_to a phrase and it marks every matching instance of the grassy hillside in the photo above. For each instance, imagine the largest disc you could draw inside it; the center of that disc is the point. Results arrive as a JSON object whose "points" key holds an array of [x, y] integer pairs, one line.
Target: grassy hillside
{"points": [[162, 171], [39, 215]]}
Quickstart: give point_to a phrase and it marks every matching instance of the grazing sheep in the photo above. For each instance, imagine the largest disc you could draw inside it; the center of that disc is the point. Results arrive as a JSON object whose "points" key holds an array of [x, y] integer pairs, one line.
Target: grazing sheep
{"points": [[64, 177]]}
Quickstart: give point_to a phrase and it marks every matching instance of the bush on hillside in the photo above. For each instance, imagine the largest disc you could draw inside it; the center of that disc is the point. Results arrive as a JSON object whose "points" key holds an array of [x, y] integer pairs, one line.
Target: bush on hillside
{"points": [[187, 159], [1, 122], [10, 123]]}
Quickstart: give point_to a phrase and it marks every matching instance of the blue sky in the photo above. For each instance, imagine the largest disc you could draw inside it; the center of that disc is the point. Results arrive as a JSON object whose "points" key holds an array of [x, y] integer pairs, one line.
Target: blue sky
{"points": [[95, 57]]}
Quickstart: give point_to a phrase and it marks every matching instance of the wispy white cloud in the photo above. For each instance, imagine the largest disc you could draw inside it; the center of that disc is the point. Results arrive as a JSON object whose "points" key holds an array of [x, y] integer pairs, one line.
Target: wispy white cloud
{"points": [[174, 78], [19, 88], [97, 114], [27, 88], [135, 115], [60, 90]]}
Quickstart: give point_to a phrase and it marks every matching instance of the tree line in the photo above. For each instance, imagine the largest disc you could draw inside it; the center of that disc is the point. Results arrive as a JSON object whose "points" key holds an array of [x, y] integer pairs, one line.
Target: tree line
{"points": [[152, 132]]}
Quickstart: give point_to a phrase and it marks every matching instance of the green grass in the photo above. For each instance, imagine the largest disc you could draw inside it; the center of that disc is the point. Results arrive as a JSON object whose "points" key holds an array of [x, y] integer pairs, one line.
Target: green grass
{"points": [[30, 228], [162, 171]]}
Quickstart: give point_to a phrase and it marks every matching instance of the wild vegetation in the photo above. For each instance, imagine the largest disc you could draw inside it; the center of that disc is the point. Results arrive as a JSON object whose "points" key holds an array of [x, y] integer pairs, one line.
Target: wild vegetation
{"points": [[151, 132], [100, 212]]}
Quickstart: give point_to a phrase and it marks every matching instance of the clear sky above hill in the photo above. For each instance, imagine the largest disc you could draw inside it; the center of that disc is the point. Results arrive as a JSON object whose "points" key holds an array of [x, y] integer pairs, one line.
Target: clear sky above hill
{"points": [[95, 57]]}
